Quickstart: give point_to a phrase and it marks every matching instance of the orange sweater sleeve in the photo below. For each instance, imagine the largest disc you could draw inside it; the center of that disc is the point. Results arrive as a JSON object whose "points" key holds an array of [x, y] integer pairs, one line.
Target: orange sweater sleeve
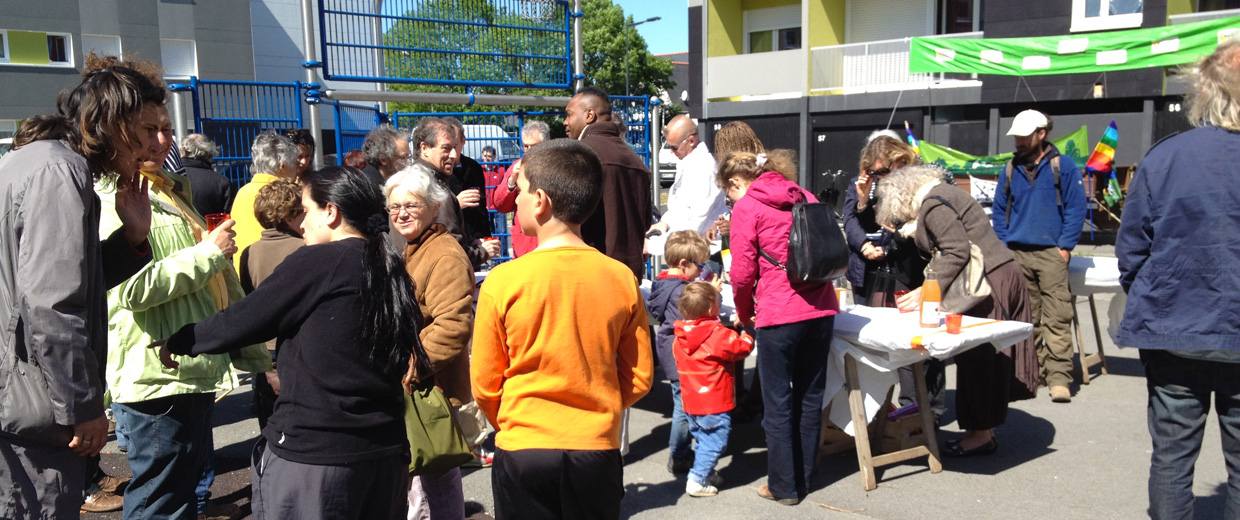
{"points": [[489, 360], [634, 357]]}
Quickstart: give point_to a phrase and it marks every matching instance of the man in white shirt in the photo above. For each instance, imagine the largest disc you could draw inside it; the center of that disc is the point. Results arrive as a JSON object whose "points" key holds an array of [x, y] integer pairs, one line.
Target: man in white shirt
{"points": [[695, 201]]}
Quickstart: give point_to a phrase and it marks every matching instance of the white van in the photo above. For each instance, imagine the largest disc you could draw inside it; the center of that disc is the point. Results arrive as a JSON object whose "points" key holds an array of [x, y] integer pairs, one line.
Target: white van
{"points": [[478, 137]]}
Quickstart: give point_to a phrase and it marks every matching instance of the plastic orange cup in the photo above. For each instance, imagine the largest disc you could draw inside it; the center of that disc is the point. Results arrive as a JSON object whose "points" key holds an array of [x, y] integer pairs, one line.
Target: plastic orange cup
{"points": [[215, 219], [898, 295], [953, 323]]}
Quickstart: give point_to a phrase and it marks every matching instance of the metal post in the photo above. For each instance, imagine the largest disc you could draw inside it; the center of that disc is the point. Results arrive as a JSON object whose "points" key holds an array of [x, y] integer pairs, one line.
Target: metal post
{"points": [[626, 59], [380, 67], [178, 116], [447, 98], [655, 127], [312, 76], [578, 53]]}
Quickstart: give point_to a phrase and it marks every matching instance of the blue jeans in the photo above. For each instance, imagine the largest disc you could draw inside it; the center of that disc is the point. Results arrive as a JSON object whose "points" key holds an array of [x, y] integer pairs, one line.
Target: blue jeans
{"points": [[1180, 390], [711, 433], [203, 491], [167, 450], [679, 443], [792, 361]]}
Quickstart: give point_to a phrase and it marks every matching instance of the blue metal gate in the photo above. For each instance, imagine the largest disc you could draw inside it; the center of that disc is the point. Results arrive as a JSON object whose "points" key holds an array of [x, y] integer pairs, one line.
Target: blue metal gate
{"points": [[353, 122], [635, 112], [233, 113]]}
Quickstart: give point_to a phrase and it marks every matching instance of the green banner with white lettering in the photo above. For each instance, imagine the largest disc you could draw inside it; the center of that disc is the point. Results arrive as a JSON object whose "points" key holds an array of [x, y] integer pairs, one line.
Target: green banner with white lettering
{"points": [[1090, 52], [1074, 145]]}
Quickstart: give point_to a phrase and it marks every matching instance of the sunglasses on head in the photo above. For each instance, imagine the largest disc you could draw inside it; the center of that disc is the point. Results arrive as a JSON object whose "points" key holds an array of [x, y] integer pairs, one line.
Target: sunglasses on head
{"points": [[879, 172]]}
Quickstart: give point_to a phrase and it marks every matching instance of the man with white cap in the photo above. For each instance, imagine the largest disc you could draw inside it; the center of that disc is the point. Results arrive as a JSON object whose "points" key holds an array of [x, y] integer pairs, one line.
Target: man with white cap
{"points": [[1039, 211]]}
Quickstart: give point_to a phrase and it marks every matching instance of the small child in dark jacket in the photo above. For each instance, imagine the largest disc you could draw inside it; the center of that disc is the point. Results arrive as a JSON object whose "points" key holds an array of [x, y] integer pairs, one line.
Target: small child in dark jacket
{"points": [[685, 252], [706, 352]]}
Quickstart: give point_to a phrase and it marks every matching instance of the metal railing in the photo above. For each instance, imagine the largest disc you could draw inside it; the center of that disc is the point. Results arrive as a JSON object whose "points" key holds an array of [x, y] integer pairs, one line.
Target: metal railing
{"points": [[1180, 19], [496, 43], [635, 112], [353, 122], [233, 113], [876, 66]]}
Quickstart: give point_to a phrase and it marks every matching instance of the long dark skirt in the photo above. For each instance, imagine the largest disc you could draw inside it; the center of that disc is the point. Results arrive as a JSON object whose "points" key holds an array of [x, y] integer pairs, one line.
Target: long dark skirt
{"points": [[986, 379]]}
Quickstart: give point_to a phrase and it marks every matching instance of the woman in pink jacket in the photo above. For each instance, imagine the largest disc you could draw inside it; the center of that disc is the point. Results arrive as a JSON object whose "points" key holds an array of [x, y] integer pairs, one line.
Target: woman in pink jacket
{"points": [[794, 323]]}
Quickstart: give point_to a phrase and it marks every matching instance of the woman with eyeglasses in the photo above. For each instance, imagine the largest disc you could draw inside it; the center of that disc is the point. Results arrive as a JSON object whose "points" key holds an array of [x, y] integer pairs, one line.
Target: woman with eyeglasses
{"points": [[881, 262], [443, 281]]}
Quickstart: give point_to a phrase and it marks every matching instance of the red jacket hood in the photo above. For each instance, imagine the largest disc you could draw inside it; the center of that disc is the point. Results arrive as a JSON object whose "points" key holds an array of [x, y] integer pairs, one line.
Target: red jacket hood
{"points": [[775, 191], [693, 334]]}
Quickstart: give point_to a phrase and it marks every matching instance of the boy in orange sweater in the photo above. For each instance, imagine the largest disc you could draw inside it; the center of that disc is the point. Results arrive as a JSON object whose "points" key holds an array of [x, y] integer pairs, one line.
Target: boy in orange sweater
{"points": [[705, 353], [561, 348]]}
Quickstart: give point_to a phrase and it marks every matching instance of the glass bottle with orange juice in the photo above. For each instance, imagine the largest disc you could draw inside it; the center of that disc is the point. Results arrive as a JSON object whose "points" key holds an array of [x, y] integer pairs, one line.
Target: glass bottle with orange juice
{"points": [[930, 297]]}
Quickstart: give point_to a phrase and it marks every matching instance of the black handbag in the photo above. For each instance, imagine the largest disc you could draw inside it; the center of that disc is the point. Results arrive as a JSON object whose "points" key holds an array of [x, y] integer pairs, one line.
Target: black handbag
{"points": [[882, 287], [817, 249]]}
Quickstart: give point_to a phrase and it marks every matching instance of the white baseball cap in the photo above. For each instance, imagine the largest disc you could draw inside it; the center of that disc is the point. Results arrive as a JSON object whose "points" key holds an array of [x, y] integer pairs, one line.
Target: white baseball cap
{"points": [[1027, 122]]}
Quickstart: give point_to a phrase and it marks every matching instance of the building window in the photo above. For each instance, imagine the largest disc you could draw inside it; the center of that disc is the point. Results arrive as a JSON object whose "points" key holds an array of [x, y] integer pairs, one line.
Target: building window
{"points": [[772, 29], [180, 58], [101, 45], [1217, 5], [8, 127], [58, 52], [4, 47], [1105, 15]]}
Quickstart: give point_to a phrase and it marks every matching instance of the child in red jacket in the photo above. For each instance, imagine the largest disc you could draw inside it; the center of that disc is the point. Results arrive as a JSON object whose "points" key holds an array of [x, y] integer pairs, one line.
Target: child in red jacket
{"points": [[705, 351]]}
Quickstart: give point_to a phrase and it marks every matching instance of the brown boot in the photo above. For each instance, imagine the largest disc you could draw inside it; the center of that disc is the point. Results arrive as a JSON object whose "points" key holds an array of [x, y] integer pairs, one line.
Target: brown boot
{"points": [[103, 502], [1061, 394], [114, 485]]}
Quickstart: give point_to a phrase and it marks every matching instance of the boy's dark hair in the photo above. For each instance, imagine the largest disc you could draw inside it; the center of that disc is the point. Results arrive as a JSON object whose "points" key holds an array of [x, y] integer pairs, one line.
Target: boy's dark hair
{"points": [[276, 202], [696, 300], [569, 173], [686, 245]]}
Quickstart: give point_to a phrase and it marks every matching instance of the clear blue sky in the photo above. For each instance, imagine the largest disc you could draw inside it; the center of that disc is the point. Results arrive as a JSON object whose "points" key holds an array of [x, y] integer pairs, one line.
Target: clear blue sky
{"points": [[671, 34]]}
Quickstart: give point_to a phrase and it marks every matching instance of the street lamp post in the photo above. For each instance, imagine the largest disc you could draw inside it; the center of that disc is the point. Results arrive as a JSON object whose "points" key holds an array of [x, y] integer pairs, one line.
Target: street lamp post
{"points": [[626, 48]]}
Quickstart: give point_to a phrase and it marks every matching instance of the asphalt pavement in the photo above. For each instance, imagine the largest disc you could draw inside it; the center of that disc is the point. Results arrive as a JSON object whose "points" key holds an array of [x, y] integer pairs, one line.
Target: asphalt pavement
{"points": [[1085, 459]]}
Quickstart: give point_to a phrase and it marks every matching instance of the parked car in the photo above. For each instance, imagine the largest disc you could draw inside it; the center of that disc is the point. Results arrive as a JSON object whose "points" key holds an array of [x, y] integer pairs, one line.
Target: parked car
{"points": [[478, 137], [5, 144], [667, 166]]}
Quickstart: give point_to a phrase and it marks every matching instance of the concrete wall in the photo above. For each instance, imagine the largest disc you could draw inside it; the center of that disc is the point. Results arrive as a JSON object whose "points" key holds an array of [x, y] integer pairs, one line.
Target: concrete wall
{"points": [[826, 23], [767, 73]]}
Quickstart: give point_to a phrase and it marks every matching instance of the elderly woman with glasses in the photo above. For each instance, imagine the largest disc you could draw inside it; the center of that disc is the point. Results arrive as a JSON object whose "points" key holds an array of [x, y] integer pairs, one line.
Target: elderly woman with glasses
{"points": [[443, 281]]}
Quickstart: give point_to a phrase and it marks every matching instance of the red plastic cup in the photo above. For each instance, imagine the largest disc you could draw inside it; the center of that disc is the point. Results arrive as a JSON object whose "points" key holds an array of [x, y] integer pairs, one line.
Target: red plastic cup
{"points": [[953, 323], [898, 295], [215, 219]]}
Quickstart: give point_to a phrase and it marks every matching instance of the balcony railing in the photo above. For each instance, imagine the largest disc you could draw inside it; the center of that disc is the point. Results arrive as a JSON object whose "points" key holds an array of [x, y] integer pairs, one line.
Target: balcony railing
{"points": [[1177, 19], [877, 66], [765, 74]]}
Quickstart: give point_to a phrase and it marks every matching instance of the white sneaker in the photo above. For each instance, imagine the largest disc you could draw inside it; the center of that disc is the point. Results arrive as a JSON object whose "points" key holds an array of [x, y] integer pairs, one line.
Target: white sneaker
{"points": [[700, 490]]}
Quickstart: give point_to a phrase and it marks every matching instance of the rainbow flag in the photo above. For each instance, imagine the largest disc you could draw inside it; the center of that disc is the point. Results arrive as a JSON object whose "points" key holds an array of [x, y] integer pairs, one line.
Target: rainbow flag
{"points": [[912, 141], [1103, 158]]}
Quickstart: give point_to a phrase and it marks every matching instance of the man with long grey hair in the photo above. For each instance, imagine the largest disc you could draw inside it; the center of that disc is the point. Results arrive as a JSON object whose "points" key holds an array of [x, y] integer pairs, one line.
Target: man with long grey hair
{"points": [[386, 151], [1177, 258], [212, 192]]}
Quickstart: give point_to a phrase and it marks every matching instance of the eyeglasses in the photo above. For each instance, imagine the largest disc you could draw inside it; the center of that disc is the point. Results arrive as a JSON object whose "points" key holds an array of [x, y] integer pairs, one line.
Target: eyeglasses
{"points": [[395, 209], [699, 264], [879, 172], [681, 143]]}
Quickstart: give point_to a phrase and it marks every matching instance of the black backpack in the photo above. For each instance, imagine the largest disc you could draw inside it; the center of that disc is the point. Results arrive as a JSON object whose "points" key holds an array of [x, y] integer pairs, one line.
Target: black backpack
{"points": [[817, 249]]}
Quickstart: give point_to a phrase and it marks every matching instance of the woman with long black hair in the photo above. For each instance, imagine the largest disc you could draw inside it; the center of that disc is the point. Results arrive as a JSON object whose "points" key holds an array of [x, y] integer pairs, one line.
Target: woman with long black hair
{"points": [[343, 312]]}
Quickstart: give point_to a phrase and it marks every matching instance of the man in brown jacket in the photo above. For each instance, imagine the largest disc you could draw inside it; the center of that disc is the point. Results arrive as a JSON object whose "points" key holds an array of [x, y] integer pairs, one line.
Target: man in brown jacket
{"points": [[618, 226]]}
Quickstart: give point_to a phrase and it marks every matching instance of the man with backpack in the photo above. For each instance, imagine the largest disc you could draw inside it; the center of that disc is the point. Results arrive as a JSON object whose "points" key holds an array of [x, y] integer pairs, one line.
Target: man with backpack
{"points": [[1038, 212]]}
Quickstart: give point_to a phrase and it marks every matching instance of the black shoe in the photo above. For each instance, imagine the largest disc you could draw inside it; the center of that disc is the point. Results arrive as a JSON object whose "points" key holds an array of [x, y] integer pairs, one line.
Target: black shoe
{"points": [[956, 450], [679, 466]]}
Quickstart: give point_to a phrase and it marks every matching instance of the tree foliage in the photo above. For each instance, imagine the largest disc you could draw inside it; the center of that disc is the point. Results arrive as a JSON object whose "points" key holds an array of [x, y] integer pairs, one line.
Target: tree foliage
{"points": [[603, 31]]}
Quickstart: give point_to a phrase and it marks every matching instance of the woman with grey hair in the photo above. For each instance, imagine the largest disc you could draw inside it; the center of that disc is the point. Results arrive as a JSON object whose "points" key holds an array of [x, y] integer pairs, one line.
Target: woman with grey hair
{"points": [[443, 281], [273, 156], [915, 202], [211, 192]]}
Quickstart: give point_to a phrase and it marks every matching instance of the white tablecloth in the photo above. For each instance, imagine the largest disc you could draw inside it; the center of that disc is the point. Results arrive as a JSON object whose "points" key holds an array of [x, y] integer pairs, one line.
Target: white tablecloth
{"points": [[880, 339]]}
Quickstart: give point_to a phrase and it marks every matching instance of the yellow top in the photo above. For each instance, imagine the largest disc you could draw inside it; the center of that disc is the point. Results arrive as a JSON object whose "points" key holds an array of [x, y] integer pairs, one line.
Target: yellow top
{"points": [[561, 349], [247, 228]]}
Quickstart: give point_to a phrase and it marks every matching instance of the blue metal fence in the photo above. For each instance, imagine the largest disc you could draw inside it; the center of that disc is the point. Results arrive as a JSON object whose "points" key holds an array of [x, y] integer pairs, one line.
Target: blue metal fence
{"points": [[498, 130], [233, 113], [353, 122], [498, 43], [635, 112]]}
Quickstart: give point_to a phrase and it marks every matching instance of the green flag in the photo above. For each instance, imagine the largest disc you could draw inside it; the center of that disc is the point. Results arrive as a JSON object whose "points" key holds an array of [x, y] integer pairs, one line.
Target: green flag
{"points": [[1074, 146]]}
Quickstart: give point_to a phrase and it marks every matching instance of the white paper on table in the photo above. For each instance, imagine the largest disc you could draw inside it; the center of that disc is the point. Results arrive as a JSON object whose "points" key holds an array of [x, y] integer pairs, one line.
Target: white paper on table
{"points": [[655, 244], [880, 340]]}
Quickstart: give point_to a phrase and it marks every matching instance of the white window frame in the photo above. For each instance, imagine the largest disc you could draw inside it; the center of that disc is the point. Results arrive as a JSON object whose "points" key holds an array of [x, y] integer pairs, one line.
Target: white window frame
{"points": [[68, 51], [1104, 21], [193, 48], [4, 46], [119, 44], [750, 26]]}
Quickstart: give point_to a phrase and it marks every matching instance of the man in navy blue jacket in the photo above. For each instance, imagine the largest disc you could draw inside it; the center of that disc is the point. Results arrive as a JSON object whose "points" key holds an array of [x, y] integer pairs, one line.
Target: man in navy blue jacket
{"points": [[1038, 212], [1178, 254]]}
